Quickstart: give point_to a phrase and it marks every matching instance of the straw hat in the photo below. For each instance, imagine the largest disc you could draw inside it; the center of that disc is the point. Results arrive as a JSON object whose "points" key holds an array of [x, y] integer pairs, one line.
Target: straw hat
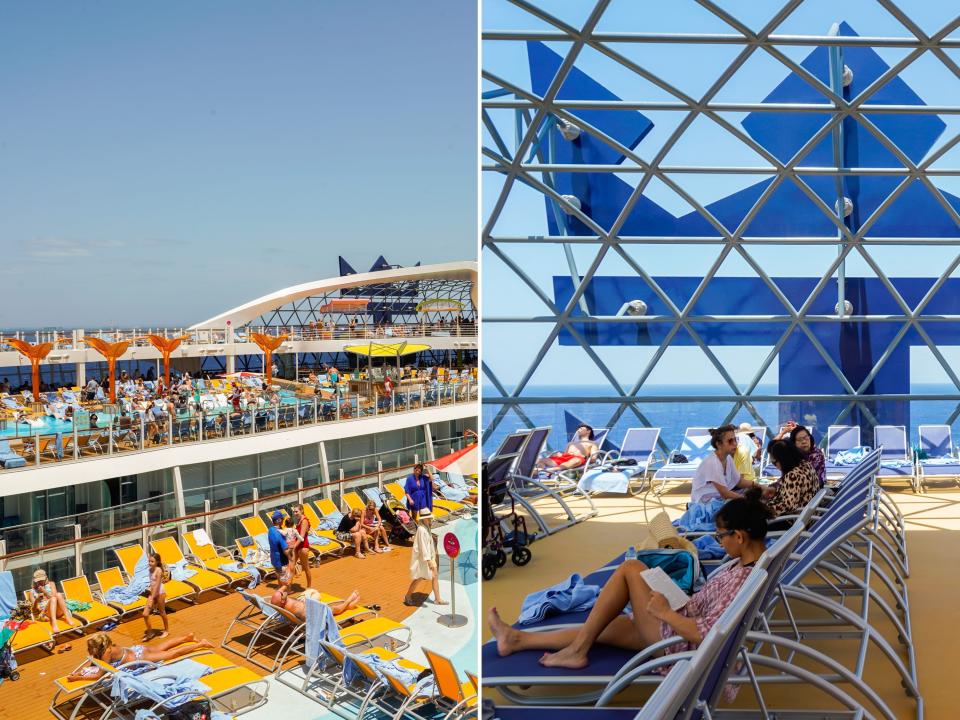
{"points": [[39, 576], [745, 427], [425, 514]]}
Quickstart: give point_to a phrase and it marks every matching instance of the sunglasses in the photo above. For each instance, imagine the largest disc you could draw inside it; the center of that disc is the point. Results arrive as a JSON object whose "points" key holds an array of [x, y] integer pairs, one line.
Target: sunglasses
{"points": [[721, 534]]}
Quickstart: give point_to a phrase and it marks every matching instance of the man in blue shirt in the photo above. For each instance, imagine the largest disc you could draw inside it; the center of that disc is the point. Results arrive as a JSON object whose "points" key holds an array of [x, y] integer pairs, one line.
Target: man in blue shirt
{"points": [[278, 549]]}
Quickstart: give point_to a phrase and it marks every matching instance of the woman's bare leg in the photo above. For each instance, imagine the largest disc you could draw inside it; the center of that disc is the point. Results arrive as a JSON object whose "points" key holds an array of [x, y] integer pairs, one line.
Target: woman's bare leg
{"points": [[620, 633], [171, 643], [624, 585], [62, 608], [305, 561], [155, 655], [52, 612]]}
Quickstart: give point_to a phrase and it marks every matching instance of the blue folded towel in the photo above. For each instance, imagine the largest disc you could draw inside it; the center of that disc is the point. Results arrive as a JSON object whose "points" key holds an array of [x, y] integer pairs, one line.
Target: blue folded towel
{"points": [[571, 595], [391, 667], [160, 683], [244, 568], [699, 517], [127, 594], [853, 456], [321, 625], [317, 540], [262, 542], [180, 571], [708, 548]]}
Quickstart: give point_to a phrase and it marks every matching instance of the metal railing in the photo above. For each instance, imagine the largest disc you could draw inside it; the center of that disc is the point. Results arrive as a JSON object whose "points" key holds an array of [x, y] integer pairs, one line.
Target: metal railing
{"points": [[223, 500], [221, 423]]}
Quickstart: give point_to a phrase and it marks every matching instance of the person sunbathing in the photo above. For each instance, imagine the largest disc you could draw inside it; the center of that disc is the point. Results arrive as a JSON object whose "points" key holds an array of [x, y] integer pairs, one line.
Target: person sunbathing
{"points": [[102, 647], [741, 528], [281, 598], [580, 449]]}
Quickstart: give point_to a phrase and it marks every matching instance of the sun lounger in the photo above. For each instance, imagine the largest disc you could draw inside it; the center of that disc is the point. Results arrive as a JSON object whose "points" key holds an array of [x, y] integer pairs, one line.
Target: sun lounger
{"points": [[130, 555], [199, 577], [614, 474], [940, 463], [110, 578], [214, 558], [840, 438], [452, 694], [8, 458], [695, 446], [35, 634], [896, 459], [78, 589]]}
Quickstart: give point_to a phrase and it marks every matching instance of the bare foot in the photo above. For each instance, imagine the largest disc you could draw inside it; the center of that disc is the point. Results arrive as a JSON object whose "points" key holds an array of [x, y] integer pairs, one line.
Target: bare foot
{"points": [[507, 637], [565, 658], [162, 635], [440, 602], [205, 644]]}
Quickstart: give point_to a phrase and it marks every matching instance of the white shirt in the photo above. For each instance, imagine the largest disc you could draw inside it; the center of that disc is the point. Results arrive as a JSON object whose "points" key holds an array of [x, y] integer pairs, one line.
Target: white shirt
{"points": [[710, 472]]}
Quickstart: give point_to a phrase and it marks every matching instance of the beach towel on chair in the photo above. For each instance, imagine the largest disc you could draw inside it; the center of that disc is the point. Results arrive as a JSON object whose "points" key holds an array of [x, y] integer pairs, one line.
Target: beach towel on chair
{"points": [[851, 457], [250, 570], [571, 595], [180, 571], [699, 517], [321, 625], [603, 479], [127, 594]]}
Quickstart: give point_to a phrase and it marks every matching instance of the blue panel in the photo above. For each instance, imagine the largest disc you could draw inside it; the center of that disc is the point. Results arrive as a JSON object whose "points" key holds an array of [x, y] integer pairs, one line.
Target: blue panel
{"points": [[345, 268]]}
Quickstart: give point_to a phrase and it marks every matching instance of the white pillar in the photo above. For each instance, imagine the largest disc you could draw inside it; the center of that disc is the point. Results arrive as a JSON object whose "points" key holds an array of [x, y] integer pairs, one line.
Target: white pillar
{"points": [[324, 471]]}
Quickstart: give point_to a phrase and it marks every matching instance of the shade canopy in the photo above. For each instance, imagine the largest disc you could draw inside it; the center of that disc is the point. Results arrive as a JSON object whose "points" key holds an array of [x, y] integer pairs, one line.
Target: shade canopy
{"points": [[385, 350], [460, 462]]}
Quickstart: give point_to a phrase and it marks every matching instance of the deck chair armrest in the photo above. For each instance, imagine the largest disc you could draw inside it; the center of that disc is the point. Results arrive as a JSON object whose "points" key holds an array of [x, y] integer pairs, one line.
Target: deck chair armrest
{"points": [[649, 652]]}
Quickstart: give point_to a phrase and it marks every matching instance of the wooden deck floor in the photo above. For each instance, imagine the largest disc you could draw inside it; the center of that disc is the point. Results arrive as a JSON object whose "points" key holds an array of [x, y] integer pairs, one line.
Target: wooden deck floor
{"points": [[380, 579], [934, 586]]}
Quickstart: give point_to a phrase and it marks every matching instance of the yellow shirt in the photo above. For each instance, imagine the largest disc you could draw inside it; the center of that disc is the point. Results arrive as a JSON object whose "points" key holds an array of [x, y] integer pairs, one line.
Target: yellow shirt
{"points": [[743, 461]]}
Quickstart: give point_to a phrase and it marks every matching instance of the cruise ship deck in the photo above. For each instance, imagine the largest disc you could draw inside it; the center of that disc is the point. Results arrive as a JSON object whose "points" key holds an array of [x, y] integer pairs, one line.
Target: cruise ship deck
{"points": [[933, 541]]}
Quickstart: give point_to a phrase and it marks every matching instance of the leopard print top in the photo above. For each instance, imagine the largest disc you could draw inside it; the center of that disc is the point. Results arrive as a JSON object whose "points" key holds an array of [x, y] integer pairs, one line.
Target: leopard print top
{"points": [[794, 490]]}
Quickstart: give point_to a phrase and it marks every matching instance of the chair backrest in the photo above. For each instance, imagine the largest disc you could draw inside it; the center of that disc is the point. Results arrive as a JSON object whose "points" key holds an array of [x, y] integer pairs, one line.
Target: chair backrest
{"points": [[530, 452], [168, 549], [842, 437], [474, 680], [353, 501], [445, 676], [396, 490], [128, 557], [599, 436], [325, 506], [936, 440], [77, 588], [696, 443], [639, 443], [398, 687], [365, 668], [109, 578], [204, 552], [312, 516], [254, 525], [893, 440]]}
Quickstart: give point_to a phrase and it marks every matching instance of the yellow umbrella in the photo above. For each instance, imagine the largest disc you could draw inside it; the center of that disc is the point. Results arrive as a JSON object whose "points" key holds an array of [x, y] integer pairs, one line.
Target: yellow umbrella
{"points": [[376, 349]]}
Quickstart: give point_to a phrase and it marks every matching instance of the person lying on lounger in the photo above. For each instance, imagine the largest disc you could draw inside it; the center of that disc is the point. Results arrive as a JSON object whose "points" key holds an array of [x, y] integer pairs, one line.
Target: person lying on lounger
{"points": [[281, 598], [581, 449], [741, 528], [102, 647]]}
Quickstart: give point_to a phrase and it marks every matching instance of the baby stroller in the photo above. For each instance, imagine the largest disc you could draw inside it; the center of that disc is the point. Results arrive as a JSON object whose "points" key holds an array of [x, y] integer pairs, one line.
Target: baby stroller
{"points": [[501, 533], [396, 515]]}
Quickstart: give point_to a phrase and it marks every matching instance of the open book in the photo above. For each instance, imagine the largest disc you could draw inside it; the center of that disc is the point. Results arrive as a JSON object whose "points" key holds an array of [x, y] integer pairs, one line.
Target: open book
{"points": [[658, 581]]}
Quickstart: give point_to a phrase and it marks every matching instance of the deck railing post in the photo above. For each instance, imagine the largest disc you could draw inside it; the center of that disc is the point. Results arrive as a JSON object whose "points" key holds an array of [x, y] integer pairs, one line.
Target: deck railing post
{"points": [[207, 522], [276, 417], [144, 532], [78, 550], [256, 500], [341, 486], [299, 490], [379, 476], [143, 432], [76, 442], [324, 470], [338, 403]]}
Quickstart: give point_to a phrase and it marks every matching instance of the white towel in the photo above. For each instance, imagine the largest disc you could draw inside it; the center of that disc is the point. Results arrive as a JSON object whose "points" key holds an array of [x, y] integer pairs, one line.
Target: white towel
{"points": [[201, 537]]}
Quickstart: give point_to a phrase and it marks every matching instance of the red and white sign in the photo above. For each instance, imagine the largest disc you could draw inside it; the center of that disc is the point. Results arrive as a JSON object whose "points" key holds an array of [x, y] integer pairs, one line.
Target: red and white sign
{"points": [[451, 546]]}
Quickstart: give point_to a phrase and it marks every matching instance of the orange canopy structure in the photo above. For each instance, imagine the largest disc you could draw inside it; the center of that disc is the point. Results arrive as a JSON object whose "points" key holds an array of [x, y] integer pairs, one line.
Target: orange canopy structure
{"points": [[35, 353], [268, 343], [166, 346], [111, 351]]}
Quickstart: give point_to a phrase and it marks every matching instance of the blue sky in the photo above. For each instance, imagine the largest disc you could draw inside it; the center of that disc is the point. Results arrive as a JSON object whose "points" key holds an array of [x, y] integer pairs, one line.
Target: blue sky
{"points": [[508, 349], [162, 162]]}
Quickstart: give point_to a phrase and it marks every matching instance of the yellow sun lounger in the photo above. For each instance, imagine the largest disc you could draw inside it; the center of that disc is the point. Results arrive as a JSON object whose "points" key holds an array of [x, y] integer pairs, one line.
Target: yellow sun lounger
{"points": [[209, 556], [245, 547], [78, 589], [353, 501], [453, 695], [111, 577], [62, 625], [130, 555], [315, 519], [202, 579]]}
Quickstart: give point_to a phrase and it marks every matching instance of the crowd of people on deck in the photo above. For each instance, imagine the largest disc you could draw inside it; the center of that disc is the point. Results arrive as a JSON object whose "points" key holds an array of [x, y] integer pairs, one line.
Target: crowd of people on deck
{"points": [[743, 513]]}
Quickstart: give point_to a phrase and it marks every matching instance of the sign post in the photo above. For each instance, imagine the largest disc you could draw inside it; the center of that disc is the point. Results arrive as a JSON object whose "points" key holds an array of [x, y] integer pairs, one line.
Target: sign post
{"points": [[451, 546]]}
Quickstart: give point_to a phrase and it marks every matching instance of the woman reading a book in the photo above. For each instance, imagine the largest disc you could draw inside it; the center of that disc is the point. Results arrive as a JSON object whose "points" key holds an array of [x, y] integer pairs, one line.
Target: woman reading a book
{"points": [[741, 528]]}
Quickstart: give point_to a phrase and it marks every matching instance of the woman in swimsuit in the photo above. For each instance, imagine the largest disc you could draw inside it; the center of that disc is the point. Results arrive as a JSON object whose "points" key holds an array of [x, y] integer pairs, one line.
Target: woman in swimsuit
{"points": [[373, 526], [48, 603], [157, 598], [303, 548], [102, 647]]}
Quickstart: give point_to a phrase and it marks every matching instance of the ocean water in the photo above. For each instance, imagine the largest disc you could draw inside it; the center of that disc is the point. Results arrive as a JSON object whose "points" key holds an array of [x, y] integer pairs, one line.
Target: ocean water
{"points": [[700, 411]]}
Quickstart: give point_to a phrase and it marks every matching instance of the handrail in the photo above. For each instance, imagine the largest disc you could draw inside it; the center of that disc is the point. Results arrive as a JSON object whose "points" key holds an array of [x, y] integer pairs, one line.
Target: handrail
{"points": [[188, 517]]}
